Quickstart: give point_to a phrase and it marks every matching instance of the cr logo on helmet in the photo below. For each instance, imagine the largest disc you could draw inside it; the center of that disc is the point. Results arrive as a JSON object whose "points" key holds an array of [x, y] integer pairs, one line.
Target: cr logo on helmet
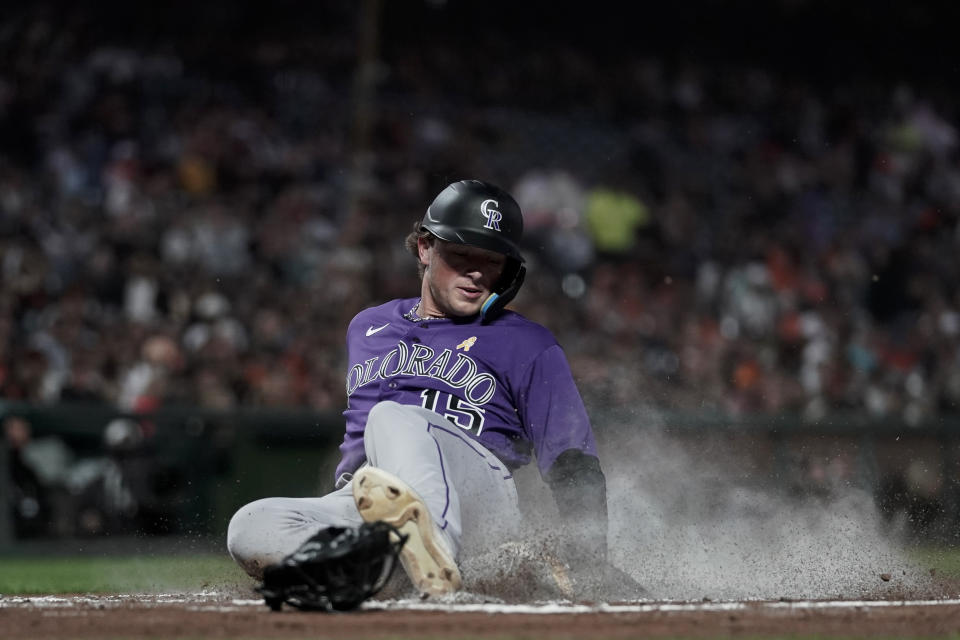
{"points": [[493, 216]]}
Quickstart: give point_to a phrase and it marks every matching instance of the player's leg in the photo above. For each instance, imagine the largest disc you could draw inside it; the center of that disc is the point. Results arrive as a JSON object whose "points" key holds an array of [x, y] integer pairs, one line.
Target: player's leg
{"points": [[431, 463], [485, 507], [265, 531]]}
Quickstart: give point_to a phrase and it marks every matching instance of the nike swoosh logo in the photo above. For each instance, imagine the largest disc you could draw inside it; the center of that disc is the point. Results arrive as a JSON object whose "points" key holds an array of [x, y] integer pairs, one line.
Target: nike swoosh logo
{"points": [[373, 330]]}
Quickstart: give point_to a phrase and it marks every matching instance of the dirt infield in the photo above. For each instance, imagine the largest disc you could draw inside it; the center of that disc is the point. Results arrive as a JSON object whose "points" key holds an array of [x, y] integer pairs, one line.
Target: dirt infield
{"points": [[218, 615]]}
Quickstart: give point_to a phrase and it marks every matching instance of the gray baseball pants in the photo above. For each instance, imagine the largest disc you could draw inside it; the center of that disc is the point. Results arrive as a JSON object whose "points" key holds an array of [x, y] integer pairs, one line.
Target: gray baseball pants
{"points": [[470, 494]]}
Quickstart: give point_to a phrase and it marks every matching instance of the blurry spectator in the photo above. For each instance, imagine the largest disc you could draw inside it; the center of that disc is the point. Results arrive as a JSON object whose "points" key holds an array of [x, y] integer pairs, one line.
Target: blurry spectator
{"points": [[150, 380], [38, 470], [28, 502], [613, 218], [553, 208], [126, 490]]}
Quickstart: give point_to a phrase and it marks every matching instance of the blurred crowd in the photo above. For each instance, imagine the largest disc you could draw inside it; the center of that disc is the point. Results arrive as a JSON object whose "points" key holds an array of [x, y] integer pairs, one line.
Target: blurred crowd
{"points": [[195, 220], [122, 487]]}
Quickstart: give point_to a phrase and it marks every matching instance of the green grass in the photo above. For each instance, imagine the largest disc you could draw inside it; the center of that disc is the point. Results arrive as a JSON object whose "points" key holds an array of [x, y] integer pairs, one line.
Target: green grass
{"points": [[118, 574], [186, 573], [946, 561]]}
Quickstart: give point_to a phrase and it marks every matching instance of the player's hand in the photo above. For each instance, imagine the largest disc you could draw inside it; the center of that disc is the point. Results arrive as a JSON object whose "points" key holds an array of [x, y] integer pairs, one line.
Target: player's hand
{"points": [[583, 573], [605, 582]]}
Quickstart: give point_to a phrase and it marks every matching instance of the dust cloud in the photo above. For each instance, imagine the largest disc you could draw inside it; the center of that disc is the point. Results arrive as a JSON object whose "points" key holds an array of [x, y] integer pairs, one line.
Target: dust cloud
{"points": [[695, 518]]}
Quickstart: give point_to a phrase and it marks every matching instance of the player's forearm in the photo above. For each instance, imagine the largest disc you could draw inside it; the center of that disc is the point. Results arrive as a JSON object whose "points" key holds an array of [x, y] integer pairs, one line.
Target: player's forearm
{"points": [[580, 490]]}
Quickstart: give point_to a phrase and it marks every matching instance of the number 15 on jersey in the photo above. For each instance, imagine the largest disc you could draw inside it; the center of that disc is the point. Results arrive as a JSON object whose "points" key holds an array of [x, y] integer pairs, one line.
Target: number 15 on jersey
{"points": [[468, 417]]}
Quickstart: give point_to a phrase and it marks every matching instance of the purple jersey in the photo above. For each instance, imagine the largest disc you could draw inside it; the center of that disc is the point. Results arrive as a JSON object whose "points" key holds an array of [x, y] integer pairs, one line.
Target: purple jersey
{"points": [[507, 382]]}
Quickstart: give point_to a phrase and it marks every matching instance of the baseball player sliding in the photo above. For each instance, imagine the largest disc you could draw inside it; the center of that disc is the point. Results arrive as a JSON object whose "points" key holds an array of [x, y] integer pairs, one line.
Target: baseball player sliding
{"points": [[447, 394]]}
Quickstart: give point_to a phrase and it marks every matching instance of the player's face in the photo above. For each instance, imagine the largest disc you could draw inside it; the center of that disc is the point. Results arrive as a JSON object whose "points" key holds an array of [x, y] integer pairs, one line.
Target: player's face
{"points": [[458, 279]]}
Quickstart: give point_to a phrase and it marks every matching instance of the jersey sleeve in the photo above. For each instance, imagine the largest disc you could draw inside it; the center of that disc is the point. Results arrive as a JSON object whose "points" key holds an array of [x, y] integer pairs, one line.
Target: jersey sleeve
{"points": [[552, 409], [352, 453]]}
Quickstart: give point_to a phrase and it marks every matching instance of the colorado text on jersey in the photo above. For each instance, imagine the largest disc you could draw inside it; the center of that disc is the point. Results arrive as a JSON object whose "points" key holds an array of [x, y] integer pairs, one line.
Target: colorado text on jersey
{"points": [[421, 360]]}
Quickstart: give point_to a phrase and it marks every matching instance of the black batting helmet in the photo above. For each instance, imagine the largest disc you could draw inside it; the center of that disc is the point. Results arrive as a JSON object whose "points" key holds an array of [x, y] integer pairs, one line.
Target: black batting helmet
{"points": [[480, 214]]}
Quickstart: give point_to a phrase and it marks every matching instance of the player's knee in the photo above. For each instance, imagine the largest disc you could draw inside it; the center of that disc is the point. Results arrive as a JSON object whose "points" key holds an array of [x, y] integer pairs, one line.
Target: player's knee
{"points": [[388, 424], [244, 534], [385, 418], [240, 527], [382, 412]]}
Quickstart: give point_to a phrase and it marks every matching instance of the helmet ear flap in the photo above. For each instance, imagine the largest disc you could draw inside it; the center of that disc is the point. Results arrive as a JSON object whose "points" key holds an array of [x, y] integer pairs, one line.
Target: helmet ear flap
{"points": [[506, 289]]}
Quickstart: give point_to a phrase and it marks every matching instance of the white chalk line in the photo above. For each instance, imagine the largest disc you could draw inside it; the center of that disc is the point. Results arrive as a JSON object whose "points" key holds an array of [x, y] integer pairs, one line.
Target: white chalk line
{"points": [[212, 601], [653, 607]]}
